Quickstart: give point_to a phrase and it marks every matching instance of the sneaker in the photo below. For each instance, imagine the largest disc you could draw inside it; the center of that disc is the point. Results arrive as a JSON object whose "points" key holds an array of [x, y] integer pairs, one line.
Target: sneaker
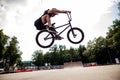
{"points": [[52, 29], [57, 37]]}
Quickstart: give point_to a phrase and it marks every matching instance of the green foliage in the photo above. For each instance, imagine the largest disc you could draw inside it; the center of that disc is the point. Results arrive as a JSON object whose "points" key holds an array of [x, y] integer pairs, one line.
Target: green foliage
{"points": [[3, 41], [38, 58], [100, 52], [81, 51], [113, 38], [12, 54], [89, 51], [58, 55], [9, 50]]}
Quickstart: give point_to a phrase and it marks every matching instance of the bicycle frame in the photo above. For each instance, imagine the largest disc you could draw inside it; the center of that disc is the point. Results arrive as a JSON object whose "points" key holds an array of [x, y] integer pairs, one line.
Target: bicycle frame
{"points": [[67, 26], [64, 28]]}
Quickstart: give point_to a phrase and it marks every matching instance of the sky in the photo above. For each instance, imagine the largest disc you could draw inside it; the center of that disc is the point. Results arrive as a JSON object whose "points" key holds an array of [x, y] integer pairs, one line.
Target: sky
{"points": [[92, 16]]}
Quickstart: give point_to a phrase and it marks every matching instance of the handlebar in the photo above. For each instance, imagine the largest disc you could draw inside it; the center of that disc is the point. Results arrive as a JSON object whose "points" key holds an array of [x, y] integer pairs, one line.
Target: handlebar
{"points": [[69, 16]]}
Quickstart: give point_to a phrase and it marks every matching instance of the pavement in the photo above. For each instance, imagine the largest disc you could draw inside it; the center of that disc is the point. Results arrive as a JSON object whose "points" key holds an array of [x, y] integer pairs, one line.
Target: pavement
{"points": [[109, 72]]}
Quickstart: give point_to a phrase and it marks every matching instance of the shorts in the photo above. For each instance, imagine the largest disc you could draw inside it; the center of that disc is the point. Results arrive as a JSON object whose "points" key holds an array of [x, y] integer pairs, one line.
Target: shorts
{"points": [[39, 25]]}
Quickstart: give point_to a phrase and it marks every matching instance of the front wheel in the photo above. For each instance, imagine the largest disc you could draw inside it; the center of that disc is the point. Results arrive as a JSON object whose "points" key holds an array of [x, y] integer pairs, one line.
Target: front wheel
{"points": [[44, 39], [75, 35]]}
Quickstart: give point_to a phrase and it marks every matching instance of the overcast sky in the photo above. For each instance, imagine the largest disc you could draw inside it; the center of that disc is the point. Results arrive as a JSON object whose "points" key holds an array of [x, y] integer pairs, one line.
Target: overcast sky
{"points": [[92, 16]]}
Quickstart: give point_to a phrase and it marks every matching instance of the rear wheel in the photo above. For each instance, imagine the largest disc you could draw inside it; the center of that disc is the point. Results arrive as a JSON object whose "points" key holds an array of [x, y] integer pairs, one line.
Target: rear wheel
{"points": [[75, 35], [44, 39]]}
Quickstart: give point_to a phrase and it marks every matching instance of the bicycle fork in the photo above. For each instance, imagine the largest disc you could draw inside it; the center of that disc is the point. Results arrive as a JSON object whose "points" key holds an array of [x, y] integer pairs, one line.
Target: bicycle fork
{"points": [[73, 33]]}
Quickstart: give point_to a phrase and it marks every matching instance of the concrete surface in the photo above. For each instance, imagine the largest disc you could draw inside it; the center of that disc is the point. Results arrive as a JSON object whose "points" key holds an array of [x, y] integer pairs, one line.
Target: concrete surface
{"points": [[109, 72]]}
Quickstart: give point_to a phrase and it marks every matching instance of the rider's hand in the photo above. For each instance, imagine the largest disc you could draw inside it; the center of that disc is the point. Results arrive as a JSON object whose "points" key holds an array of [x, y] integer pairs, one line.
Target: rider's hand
{"points": [[68, 11]]}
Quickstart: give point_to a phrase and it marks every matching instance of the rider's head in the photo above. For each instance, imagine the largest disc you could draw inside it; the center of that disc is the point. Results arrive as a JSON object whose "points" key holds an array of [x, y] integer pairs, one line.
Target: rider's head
{"points": [[53, 12]]}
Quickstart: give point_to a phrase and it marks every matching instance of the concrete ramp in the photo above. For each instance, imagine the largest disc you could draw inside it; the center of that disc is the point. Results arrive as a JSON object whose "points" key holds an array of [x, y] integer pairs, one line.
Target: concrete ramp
{"points": [[73, 64]]}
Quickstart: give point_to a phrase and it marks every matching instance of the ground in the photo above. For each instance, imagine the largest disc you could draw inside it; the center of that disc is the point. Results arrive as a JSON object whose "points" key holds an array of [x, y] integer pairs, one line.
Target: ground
{"points": [[109, 72]]}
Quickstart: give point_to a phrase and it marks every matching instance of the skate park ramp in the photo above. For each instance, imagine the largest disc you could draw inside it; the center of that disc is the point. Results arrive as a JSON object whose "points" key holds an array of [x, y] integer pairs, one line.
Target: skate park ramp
{"points": [[73, 64]]}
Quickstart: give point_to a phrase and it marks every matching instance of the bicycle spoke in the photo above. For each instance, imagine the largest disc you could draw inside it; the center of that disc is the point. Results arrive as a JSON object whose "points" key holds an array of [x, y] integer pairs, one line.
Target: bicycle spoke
{"points": [[44, 39], [48, 37], [75, 35]]}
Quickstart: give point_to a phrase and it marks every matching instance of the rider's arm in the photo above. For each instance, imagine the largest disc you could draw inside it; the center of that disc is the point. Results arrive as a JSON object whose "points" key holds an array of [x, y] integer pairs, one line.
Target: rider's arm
{"points": [[48, 21], [59, 11]]}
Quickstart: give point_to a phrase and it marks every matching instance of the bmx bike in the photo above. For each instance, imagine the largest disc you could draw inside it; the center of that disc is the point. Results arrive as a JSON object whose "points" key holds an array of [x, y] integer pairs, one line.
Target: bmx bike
{"points": [[75, 35]]}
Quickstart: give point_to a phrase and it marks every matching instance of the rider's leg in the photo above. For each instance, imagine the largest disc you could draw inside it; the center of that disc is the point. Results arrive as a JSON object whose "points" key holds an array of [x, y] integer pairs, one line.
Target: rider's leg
{"points": [[57, 37], [51, 29]]}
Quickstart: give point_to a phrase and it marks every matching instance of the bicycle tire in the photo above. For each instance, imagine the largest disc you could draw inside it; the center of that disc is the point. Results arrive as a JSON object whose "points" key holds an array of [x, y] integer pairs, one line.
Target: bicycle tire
{"points": [[75, 29], [40, 43]]}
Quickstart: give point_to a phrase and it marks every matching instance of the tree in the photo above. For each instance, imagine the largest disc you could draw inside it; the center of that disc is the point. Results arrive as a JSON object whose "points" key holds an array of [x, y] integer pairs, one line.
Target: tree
{"points": [[88, 53], [100, 51], [66, 56], [113, 37], [47, 57], [38, 58], [74, 54], [55, 55], [13, 54], [81, 49], [10, 55], [3, 41], [96, 51], [62, 49]]}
